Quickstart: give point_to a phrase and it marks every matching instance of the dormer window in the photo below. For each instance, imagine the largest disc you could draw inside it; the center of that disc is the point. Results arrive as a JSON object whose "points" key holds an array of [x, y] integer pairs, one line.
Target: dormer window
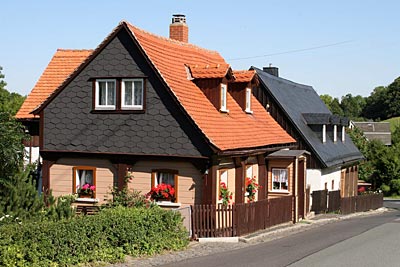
{"points": [[132, 94], [105, 94], [248, 101], [223, 93]]}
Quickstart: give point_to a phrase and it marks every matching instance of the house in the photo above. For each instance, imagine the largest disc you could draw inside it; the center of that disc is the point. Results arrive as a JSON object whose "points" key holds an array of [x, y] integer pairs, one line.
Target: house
{"points": [[333, 160], [162, 110], [375, 131]]}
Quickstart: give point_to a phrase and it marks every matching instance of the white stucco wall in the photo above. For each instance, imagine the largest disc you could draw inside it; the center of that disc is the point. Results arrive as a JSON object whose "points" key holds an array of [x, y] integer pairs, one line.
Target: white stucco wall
{"points": [[317, 178], [313, 179], [331, 175]]}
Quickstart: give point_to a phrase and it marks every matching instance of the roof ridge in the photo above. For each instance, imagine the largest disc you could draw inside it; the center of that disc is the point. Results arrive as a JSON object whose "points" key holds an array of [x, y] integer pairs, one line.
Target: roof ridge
{"points": [[73, 50], [171, 40]]}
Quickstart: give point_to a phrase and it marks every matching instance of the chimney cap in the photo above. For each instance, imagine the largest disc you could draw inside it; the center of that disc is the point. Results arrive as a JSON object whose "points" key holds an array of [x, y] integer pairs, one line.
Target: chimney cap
{"points": [[178, 18]]}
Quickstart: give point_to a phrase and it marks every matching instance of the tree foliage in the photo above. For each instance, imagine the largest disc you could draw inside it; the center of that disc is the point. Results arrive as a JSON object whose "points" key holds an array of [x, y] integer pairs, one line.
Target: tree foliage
{"points": [[9, 102]]}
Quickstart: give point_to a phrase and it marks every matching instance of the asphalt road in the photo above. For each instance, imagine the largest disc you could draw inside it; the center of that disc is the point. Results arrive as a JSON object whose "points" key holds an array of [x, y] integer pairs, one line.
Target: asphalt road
{"points": [[361, 241]]}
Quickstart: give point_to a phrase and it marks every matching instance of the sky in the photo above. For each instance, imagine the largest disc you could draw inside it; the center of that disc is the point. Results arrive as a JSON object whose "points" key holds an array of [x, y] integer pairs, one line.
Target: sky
{"points": [[338, 47]]}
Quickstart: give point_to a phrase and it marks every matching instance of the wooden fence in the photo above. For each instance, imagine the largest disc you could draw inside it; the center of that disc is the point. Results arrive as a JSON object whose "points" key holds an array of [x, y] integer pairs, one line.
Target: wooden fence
{"points": [[324, 201], [240, 219]]}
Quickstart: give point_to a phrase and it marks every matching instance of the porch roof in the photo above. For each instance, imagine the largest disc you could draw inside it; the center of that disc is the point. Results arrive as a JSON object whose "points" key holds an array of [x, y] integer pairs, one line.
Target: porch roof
{"points": [[287, 154]]}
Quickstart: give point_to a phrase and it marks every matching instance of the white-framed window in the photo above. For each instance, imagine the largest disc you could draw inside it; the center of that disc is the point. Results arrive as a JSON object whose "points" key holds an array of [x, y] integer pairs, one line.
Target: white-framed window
{"points": [[132, 94], [105, 94], [280, 180], [223, 93], [248, 100]]}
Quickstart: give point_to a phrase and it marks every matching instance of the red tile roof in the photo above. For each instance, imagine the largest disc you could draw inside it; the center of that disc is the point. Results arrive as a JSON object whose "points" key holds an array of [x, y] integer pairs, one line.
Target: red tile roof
{"points": [[63, 63], [244, 75], [209, 71], [232, 130]]}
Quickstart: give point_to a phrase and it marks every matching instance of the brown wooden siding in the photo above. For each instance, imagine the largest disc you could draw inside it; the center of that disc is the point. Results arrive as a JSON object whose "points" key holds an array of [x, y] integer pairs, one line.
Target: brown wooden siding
{"points": [[211, 88], [61, 176], [189, 179], [238, 92]]}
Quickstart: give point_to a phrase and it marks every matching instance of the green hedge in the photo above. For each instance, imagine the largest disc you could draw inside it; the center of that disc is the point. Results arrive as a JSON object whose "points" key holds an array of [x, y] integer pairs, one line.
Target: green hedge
{"points": [[106, 237]]}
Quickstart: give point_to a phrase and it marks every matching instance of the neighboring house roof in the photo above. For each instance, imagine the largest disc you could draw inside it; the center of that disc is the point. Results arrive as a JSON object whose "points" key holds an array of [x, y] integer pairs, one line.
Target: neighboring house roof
{"points": [[303, 107], [63, 63], [376, 131], [226, 131]]}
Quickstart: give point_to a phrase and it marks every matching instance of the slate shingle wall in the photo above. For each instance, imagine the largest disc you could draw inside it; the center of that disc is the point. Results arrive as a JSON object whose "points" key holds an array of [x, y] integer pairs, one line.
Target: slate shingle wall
{"points": [[69, 125]]}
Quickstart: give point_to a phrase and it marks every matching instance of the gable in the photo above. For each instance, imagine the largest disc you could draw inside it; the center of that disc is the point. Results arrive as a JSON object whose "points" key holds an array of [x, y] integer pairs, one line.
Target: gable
{"points": [[70, 124]]}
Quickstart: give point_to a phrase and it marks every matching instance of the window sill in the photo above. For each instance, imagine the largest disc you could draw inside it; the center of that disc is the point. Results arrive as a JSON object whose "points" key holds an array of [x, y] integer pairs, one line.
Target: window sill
{"points": [[168, 204], [279, 191], [249, 111], [87, 200], [224, 110], [124, 111]]}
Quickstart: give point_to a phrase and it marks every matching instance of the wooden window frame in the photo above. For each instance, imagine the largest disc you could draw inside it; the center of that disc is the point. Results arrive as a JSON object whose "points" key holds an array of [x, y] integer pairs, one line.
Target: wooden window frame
{"points": [[90, 168], [119, 109], [220, 171], [171, 171]]}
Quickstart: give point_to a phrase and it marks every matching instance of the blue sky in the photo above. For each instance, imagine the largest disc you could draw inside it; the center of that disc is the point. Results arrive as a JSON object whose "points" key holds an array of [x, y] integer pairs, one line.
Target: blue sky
{"points": [[358, 40]]}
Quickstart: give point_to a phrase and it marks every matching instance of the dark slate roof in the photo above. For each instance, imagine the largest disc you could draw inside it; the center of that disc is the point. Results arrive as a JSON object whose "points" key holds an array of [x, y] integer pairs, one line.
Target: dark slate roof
{"points": [[296, 100]]}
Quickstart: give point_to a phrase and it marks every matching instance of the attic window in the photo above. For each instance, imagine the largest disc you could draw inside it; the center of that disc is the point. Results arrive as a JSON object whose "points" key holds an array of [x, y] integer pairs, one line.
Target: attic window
{"points": [[132, 94], [223, 98], [105, 94], [248, 101]]}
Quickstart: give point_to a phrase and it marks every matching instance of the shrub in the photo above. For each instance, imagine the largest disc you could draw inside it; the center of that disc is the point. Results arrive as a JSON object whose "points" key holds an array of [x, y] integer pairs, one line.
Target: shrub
{"points": [[106, 237]]}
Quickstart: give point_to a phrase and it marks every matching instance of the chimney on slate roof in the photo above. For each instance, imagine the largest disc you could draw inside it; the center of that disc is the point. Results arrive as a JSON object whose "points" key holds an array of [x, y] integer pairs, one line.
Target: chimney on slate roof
{"points": [[178, 29], [271, 70]]}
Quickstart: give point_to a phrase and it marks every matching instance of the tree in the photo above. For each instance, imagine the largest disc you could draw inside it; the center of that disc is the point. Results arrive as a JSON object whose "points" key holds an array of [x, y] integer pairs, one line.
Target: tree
{"points": [[392, 99], [352, 106], [376, 106], [9, 102], [332, 104]]}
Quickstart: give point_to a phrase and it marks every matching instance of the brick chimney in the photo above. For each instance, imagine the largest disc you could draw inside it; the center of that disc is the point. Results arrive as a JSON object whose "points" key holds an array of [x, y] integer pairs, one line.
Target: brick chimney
{"points": [[178, 29], [271, 70]]}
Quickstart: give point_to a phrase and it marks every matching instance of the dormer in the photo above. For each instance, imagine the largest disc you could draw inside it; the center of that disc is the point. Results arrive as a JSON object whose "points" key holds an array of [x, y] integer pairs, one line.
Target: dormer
{"points": [[335, 122], [241, 88], [318, 122], [214, 81]]}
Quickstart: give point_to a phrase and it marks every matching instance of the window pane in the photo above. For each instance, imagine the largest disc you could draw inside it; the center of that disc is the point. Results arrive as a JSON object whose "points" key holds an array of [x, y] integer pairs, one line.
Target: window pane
{"points": [[111, 93], [128, 93], [223, 97], [248, 98], [102, 93], [166, 178], [138, 93], [84, 177]]}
